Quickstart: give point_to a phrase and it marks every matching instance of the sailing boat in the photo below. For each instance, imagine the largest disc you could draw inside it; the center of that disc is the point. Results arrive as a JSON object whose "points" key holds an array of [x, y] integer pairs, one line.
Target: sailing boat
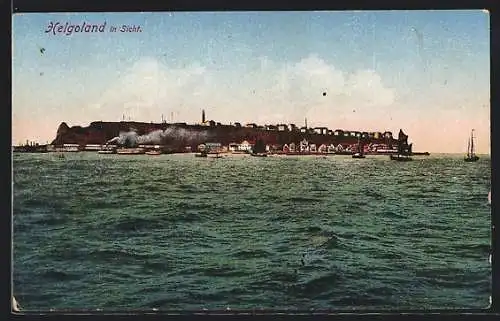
{"points": [[359, 153], [259, 149], [471, 155], [404, 149]]}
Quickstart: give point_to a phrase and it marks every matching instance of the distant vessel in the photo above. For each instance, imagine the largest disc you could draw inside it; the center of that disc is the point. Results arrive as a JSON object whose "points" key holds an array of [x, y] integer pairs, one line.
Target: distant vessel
{"points": [[404, 149], [201, 154], [259, 149], [130, 151], [359, 153], [153, 152], [401, 158], [471, 155], [106, 151], [213, 155]]}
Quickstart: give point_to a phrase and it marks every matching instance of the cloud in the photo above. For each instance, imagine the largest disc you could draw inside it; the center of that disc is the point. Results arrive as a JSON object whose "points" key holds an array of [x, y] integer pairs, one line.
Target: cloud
{"points": [[143, 91], [273, 92]]}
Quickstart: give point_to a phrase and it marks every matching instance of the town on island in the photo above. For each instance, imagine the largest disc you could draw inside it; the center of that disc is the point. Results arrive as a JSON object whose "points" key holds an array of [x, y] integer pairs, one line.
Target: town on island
{"points": [[213, 139]]}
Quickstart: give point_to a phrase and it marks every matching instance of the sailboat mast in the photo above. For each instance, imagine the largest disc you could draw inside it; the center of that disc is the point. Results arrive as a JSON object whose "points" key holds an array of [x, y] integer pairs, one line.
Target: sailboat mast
{"points": [[468, 147], [472, 143]]}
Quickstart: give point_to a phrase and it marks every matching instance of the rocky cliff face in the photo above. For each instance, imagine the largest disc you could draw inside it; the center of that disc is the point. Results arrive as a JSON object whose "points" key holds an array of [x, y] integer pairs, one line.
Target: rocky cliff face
{"points": [[99, 132], [181, 135]]}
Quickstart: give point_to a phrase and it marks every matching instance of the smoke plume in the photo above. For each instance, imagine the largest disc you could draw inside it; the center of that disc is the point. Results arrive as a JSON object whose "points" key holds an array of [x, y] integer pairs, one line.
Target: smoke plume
{"points": [[172, 135]]}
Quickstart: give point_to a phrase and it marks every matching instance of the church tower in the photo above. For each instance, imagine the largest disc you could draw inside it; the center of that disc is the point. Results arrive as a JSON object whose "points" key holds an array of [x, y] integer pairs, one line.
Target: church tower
{"points": [[203, 116]]}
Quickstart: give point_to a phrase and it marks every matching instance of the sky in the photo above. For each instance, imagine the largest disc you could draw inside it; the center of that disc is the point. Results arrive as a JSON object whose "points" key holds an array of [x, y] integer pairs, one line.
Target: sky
{"points": [[426, 72]]}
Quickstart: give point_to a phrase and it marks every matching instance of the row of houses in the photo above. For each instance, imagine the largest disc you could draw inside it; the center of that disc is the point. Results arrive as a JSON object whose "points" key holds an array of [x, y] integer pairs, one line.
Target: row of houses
{"points": [[304, 129], [245, 146], [308, 130], [302, 147]]}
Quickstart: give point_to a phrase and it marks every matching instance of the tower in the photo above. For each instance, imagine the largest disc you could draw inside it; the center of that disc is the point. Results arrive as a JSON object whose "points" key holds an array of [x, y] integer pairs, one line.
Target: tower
{"points": [[305, 121], [203, 116]]}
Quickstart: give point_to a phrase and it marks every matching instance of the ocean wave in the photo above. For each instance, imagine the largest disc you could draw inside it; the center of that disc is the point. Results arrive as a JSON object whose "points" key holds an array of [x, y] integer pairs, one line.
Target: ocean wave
{"points": [[314, 229], [302, 199], [390, 254], [51, 221], [477, 248], [394, 214], [55, 275], [362, 301], [117, 255], [276, 279], [67, 251], [320, 284], [156, 266], [251, 253], [134, 224]]}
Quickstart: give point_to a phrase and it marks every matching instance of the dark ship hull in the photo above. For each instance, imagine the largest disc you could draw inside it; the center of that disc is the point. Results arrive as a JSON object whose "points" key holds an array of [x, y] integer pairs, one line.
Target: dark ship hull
{"points": [[401, 158], [471, 159], [204, 155], [358, 155]]}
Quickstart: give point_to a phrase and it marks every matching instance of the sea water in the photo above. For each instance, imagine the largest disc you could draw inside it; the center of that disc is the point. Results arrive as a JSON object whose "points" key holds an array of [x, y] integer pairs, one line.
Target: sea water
{"points": [[174, 232]]}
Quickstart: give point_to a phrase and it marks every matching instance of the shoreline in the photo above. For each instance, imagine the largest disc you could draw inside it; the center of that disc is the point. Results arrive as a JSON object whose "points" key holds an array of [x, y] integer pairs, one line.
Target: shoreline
{"points": [[230, 153]]}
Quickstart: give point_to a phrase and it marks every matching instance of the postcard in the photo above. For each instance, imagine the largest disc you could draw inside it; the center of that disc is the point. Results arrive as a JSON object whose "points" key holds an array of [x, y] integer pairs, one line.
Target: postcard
{"points": [[251, 161]]}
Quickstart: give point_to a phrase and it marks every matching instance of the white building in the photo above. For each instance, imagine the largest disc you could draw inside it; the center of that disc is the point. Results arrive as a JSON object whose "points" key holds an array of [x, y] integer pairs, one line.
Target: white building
{"points": [[68, 148], [213, 147], [304, 146], [233, 147], [245, 146]]}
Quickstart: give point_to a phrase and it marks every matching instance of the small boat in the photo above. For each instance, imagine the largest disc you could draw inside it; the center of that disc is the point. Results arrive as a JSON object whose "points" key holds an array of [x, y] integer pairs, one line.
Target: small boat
{"points": [[489, 197], [202, 154], [213, 155], [259, 149], [153, 152], [130, 151], [105, 151], [401, 158], [471, 155], [359, 153]]}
